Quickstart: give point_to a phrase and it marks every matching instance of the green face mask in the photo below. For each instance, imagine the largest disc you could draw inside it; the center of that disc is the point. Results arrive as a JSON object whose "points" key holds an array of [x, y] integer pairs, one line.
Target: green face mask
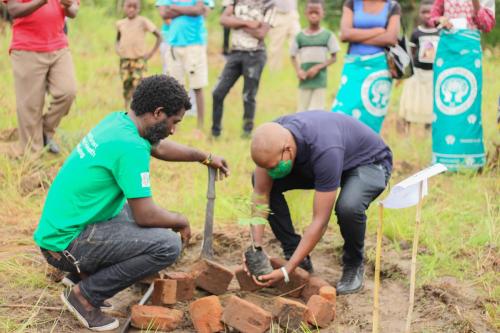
{"points": [[281, 170]]}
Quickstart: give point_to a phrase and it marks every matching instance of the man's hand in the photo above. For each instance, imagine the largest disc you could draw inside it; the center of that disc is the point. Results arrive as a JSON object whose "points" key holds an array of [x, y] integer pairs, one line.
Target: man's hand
{"points": [[185, 234], [313, 71], [269, 279], [220, 164], [201, 7], [65, 3], [148, 56], [184, 229], [445, 23], [252, 24], [256, 280], [301, 74]]}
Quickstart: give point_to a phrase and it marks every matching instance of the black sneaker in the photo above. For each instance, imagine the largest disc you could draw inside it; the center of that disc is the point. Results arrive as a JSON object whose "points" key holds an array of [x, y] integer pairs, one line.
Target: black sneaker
{"points": [[351, 280], [94, 320], [51, 145], [71, 279], [305, 264]]}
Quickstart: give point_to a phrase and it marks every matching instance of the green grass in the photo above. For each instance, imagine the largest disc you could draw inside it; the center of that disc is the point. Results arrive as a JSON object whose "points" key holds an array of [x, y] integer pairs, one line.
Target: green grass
{"points": [[460, 229]]}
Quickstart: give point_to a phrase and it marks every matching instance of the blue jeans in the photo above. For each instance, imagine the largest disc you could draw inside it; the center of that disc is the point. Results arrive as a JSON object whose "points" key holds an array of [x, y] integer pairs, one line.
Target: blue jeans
{"points": [[117, 253]]}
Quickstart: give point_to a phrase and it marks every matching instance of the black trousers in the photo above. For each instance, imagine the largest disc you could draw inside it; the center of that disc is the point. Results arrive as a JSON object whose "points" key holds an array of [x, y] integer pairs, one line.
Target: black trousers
{"points": [[359, 187], [248, 64]]}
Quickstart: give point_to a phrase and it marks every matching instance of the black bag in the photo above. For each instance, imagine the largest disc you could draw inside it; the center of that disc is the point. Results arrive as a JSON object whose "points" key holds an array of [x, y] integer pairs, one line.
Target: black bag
{"points": [[399, 56]]}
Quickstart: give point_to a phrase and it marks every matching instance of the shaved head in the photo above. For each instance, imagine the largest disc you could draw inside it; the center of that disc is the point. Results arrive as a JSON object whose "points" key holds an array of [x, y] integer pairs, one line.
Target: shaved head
{"points": [[268, 142]]}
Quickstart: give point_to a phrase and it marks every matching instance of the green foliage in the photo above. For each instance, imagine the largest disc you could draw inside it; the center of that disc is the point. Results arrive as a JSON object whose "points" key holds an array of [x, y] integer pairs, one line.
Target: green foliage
{"points": [[252, 221]]}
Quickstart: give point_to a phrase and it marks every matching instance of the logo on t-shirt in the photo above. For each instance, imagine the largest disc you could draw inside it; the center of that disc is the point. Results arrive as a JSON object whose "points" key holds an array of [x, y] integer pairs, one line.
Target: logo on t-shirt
{"points": [[427, 50], [145, 179]]}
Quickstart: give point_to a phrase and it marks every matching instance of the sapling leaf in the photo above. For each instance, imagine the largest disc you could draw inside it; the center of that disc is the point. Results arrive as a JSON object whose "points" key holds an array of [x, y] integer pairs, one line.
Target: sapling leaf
{"points": [[252, 221]]}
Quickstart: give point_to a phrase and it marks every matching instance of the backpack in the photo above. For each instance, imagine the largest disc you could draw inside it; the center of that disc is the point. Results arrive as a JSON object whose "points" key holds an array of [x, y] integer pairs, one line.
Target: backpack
{"points": [[399, 56]]}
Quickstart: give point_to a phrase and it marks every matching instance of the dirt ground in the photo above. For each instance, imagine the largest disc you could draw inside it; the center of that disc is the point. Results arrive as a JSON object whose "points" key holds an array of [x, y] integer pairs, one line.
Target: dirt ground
{"points": [[447, 305]]}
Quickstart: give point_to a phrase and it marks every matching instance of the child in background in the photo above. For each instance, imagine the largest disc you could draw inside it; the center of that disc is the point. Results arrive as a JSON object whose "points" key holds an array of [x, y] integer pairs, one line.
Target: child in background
{"points": [[315, 48], [417, 97], [165, 27], [131, 47]]}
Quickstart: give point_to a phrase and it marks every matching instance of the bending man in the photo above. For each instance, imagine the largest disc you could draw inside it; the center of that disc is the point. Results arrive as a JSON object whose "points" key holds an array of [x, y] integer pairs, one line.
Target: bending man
{"points": [[321, 151], [99, 221]]}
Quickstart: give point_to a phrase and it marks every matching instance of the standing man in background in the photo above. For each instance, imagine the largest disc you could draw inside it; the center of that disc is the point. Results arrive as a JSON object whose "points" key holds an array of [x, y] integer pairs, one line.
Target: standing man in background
{"points": [[41, 62], [187, 40], [286, 27], [250, 21]]}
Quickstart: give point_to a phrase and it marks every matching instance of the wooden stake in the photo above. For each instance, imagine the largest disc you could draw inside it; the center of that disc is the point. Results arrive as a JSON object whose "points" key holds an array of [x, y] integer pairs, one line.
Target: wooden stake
{"points": [[414, 258], [376, 286]]}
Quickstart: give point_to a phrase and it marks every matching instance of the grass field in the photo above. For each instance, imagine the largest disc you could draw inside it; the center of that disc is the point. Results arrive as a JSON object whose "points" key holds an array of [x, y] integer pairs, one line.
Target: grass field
{"points": [[460, 235]]}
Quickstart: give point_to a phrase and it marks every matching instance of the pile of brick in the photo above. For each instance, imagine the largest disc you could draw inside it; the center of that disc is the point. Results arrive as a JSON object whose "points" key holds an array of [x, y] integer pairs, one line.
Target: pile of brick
{"points": [[308, 300]]}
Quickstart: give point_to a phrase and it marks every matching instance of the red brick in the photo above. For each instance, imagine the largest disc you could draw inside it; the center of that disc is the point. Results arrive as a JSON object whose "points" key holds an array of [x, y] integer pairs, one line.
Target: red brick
{"points": [[164, 292], [313, 287], [288, 313], [206, 314], [156, 317], [245, 316], [319, 311], [246, 282], [185, 285], [330, 293], [150, 279], [298, 279], [212, 277]]}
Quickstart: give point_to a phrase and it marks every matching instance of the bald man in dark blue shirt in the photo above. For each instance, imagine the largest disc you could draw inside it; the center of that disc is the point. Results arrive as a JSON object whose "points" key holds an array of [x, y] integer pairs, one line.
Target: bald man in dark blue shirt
{"points": [[323, 151]]}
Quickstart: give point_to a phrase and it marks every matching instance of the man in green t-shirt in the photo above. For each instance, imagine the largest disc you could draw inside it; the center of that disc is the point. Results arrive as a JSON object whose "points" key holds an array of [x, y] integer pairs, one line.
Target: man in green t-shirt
{"points": [[99, 221]]}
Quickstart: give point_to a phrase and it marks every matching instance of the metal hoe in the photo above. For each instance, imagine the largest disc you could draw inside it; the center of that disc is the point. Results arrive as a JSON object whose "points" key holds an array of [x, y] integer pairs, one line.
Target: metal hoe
{"points": [[143, 300], [206, 249], [207, 245]]}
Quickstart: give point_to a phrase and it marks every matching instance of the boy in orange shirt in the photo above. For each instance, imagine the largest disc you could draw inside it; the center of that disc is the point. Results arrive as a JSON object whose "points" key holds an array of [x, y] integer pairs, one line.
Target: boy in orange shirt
{"points": [[131, 47]]}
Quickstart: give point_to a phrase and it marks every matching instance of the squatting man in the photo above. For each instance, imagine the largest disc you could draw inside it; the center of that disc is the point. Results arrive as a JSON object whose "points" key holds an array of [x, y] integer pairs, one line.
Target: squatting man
{"points": [[323, 151], [100, 222]]}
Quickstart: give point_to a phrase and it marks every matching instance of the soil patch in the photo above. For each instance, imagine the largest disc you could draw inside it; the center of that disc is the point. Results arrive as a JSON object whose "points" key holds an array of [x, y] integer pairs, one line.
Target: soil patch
{"points": [[447, 305]]}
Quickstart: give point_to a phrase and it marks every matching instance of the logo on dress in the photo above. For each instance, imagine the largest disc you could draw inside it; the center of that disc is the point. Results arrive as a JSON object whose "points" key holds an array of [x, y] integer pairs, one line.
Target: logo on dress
{"points": [[455, 91], [145, 179], [375, 93]]}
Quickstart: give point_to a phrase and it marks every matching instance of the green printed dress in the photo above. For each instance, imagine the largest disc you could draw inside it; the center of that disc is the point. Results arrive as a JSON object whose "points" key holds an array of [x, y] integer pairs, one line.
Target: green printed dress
{"points": [[457, 132]]}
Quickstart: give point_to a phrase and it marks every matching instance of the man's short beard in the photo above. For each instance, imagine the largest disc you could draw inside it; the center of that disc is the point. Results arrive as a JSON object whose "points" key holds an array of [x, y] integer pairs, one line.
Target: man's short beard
{"points": [[154, 134]]}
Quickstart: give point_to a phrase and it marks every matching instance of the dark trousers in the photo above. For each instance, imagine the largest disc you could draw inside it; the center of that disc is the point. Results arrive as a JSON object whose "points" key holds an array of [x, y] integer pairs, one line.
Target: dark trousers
{"points": [[359, 187], [225, 40], [248, 64], [117, 253]]}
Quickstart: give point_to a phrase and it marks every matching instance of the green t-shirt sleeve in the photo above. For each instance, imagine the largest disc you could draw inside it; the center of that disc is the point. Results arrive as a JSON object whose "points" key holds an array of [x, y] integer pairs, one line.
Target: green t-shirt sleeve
{"points": [[132, 173]]}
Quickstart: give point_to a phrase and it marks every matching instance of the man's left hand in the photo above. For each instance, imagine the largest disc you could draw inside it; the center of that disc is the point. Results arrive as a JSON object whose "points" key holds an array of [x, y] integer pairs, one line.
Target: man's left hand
{"points": [[269, 279], [220, 164], [312, 72], [66, 3]]}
